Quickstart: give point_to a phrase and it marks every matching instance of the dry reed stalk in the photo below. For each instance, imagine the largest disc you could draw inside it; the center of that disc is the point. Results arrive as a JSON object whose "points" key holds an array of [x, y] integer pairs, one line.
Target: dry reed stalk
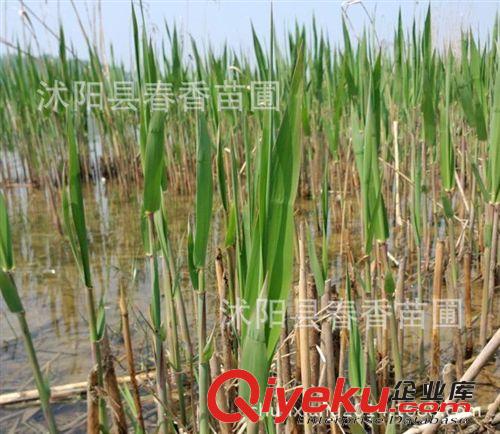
{"points": [[225, 325], [436, 296], [458, 350], [65, 391], [284, 356], [327, 344], [298, 363], [469, 342], [112, 389], [225, 320], [92, 403], [314, 335], [448, 376], [303, 323]]}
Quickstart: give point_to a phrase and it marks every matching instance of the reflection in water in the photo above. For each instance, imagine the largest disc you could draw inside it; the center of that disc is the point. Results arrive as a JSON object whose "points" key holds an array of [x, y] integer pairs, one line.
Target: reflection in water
{"points": [[52, 292]]}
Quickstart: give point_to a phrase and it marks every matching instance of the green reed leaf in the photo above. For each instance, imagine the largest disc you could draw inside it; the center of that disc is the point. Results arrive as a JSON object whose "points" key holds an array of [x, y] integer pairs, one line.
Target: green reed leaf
{"points": [[6, 255], [154, 164], [204, 193], [9, 292]]}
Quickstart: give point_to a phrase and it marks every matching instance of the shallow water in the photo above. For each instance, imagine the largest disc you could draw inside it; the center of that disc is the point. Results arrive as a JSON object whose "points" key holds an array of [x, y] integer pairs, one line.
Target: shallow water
{"points": [[54, 297], [51, 290]]}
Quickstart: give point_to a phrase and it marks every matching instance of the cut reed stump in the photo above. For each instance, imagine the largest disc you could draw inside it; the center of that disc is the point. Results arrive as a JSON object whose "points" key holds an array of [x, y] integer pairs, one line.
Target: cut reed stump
{"points": [[112, 390], [92, 403]]}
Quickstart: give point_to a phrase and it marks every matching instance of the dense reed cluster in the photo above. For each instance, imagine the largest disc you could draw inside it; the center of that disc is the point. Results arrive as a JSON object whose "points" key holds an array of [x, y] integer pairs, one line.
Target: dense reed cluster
{"points": [[374, 181]]}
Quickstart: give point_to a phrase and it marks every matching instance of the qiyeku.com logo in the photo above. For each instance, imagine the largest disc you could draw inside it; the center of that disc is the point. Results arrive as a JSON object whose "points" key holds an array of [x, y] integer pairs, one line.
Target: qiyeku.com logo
{"points": [[313, 400]]}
